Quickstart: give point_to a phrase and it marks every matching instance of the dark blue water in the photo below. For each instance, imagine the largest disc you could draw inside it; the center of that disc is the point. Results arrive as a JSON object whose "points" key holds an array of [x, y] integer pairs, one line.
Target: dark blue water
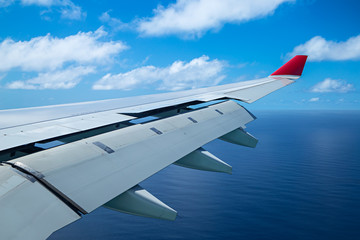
{"points": [[301, 182]]}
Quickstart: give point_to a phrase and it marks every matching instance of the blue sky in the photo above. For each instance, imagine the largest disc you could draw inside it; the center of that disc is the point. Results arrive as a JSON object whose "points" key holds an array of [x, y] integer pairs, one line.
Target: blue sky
{"points": [[63, 51]]}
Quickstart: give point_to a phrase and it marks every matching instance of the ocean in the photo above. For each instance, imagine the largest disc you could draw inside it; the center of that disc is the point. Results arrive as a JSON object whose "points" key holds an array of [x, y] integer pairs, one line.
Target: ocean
{"points": [[302, 181]]}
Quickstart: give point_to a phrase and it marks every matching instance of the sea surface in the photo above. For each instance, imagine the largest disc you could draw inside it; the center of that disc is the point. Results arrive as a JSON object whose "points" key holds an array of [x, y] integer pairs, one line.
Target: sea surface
{"points": [[302, 181]]}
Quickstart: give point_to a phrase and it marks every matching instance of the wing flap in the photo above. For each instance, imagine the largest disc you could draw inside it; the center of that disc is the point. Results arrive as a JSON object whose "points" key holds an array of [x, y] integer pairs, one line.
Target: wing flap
{"points": [[28, 210], [99, 175]]}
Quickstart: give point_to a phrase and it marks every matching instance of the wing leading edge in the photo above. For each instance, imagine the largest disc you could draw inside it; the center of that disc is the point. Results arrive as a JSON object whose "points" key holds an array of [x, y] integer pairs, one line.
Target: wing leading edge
{"points": [[99, 163]]}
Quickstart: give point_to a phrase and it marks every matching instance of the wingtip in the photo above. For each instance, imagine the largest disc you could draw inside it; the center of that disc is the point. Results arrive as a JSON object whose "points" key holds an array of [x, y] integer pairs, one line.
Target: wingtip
{"points": [[294, 67]]}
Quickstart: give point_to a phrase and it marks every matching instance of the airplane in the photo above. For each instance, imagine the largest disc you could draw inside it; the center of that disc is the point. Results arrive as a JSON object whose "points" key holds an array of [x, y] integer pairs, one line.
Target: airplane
{"points": [[60, 162]]}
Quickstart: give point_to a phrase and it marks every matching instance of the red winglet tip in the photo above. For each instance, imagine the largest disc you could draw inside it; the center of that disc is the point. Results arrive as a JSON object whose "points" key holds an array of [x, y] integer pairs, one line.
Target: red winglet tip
{"points": [[293, 67]]}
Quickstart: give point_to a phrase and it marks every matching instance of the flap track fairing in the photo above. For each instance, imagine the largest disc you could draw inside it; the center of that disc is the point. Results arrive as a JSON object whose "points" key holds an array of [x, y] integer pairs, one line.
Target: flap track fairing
{"points": [[203, 160], [138, 201]]}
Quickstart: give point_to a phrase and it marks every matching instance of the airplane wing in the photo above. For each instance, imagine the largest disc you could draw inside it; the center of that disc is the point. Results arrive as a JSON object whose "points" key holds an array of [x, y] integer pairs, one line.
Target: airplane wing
{"points": [[58, 163]]}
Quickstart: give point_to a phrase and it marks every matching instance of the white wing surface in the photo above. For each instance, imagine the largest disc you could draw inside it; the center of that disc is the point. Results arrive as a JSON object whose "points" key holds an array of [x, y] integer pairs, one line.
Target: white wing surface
{"points": [[105, 149]]}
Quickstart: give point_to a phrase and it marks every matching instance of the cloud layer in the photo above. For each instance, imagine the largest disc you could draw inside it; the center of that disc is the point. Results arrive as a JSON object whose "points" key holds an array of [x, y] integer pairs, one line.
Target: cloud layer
{"points": [[194, 17], [59, 62], [320, 49], [198, 72], [332, 85]]}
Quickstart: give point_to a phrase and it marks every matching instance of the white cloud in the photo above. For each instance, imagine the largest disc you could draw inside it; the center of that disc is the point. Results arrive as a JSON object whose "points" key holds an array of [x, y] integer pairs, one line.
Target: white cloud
{"points": [[63, 79], [114, 23], [180, 75], [191, 18], [58, 62], [46, 3], [50, 53], [315, 99], [320, 49], [66, 8], [72, 12], [105, 17], [332, 85]]}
